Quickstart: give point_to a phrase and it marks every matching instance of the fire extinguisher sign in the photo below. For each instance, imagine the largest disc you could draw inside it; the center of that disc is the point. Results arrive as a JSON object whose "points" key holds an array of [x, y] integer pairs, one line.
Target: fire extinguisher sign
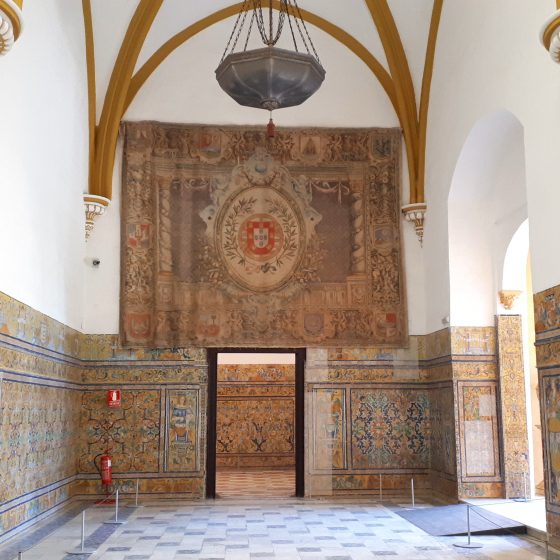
{"points": [[114, 398]]}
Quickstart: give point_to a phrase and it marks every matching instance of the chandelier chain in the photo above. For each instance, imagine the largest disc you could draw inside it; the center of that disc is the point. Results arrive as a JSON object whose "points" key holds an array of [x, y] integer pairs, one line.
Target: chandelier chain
{"points": [[306, 31], [241, 13], [271, 38], [292, 30], [239, 31], [249, 32]]}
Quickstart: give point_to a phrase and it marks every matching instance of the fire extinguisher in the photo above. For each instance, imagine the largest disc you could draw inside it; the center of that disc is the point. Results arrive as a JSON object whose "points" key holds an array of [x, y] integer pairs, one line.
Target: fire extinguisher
{"points": [[106, 470]]}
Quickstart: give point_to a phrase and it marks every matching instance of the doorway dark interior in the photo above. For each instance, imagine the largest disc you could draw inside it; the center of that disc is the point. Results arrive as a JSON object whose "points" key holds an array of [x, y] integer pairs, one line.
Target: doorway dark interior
{"points": [[221, 452]]}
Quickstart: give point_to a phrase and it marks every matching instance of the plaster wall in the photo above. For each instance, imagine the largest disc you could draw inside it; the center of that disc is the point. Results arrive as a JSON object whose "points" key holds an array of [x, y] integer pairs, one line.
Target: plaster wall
{"points": [[471, 80], [487, 204], [43, 156]]}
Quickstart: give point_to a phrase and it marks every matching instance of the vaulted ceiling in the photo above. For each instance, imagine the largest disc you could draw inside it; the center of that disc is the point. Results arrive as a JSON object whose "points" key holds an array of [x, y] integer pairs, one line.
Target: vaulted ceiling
{"points": [[378, 49]]}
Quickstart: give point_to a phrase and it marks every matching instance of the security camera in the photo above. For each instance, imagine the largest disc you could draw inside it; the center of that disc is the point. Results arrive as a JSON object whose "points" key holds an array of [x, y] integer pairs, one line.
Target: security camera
{"points": [[95, 262]]}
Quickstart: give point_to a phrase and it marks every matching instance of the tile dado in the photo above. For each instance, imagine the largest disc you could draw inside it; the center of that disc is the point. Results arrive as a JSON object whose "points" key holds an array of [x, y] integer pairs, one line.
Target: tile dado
{"points": [[547, 324], [54, 419], [407, 398]]}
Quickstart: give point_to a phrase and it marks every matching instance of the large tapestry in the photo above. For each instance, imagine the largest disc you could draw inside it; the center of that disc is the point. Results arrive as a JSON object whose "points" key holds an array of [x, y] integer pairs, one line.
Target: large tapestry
{"points": [[232, 239]]}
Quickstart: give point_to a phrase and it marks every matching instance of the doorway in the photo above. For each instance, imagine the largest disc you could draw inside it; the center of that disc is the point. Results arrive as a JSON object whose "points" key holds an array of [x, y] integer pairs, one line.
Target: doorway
{"points": [[256, 438]]}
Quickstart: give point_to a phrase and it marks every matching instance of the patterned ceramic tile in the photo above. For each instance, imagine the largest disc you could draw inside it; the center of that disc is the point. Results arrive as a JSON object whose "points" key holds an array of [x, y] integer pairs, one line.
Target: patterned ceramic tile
{"points": [[512, 396]]}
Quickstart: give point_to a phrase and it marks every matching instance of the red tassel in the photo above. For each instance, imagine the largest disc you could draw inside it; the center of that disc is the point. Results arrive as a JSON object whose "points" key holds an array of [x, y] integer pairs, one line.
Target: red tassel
{"points": [[271, 129]]}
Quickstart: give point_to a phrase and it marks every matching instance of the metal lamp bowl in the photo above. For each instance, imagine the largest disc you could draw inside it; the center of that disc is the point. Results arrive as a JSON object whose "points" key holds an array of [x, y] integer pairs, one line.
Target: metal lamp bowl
{"points": [[270, 78]]}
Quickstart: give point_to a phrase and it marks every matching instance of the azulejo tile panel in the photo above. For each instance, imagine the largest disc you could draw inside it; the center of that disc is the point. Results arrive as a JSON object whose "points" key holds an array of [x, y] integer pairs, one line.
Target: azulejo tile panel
{"points": [[130, 433], [183, 430], [443, 445], [256, 416], [473, 341], [550, 387], [38, 437], [390, 428], [54, 414], [547, 312], [547, 324], [512, 398], [255, 427], [479, 438], [329, 429]]}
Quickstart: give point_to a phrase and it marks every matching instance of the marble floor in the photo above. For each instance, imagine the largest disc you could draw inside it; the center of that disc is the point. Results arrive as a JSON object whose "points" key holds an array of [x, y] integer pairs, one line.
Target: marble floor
{"points": [[251, 484], [280, 529]]}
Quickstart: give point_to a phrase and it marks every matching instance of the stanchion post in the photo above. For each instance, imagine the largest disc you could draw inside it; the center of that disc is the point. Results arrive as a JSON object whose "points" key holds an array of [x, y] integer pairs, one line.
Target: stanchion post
{"points": [[20, 555], [468, 544], [412, 491], [380, 488], [116, 520], [82, 548], [136, 504]]}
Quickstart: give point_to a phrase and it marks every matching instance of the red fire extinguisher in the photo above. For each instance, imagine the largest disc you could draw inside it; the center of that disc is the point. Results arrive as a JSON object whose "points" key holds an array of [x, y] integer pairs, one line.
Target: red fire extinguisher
{"points": [[106, 470]]}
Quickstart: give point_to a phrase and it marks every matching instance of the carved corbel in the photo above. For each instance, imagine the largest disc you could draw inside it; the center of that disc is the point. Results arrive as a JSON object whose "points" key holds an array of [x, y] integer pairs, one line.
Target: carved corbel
{"points": [[415, 214], [550, 36], [94, 207], [508, 298], [11, 24]]}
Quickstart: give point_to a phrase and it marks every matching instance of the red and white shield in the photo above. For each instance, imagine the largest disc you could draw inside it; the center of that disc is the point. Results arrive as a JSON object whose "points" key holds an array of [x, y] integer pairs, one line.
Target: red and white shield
{"points": [[261, 237]]}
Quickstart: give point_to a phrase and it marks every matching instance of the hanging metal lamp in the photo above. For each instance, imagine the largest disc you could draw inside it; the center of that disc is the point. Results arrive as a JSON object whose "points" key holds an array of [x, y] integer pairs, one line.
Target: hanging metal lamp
{"points": [[270, 77]]}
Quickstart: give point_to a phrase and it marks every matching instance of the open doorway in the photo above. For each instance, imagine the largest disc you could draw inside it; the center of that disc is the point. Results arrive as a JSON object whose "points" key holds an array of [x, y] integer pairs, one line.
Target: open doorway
{"points": [[255, 444]]}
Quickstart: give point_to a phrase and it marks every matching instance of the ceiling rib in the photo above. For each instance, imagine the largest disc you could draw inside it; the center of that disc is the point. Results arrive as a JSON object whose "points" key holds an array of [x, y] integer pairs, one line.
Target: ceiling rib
{"points": [[397, 83], [108, 129]]}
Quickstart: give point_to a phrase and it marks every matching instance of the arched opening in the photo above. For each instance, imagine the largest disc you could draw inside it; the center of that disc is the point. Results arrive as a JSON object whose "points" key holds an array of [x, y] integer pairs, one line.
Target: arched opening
{"points": [[487, 204]]}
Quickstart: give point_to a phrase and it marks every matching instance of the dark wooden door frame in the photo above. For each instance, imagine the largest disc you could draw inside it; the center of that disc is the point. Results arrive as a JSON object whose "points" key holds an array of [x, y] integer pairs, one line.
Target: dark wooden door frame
{"points": [[211, 408]]}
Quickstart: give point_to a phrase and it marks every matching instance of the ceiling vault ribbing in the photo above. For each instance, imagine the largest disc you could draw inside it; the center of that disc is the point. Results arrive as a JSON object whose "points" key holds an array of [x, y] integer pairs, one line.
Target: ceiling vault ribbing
{"points": [[124, 85]]}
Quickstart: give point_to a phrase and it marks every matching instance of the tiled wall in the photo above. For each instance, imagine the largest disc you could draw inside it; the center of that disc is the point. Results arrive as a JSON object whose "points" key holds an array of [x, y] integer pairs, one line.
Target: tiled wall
{"points": [[255, 416], [40, 411], [475, 384], [403, 414], [547, 322], [157, 434], [515, 437], [54, 418], [368, 414], [429, 412]]}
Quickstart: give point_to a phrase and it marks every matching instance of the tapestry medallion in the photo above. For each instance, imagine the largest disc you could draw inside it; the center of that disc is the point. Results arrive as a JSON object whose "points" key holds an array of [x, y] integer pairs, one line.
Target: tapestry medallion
{"points": [[260, 231], [233, 239]]}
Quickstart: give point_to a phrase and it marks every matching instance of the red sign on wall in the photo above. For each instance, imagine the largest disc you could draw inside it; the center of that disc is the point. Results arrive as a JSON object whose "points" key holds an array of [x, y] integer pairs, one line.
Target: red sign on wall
{"points": [[114, 398]]}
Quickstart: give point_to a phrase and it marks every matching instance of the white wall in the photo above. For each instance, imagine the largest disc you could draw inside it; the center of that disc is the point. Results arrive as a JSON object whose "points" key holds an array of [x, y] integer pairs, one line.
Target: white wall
{"points": [[489, 58], [43, 158], [487, 204]]}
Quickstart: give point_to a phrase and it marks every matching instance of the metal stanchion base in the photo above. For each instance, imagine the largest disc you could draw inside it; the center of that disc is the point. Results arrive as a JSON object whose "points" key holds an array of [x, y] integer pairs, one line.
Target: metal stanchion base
{"points": [[113, 522], [78, 551], [468, 545]]}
